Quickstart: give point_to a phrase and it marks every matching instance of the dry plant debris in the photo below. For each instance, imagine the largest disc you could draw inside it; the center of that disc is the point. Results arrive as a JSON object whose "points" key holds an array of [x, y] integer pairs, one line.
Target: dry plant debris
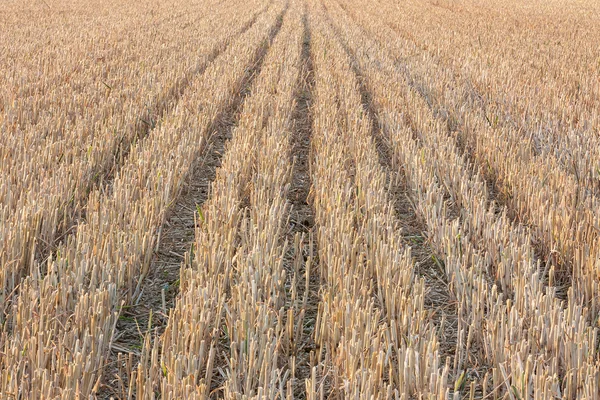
{"points": [[309, 199]]}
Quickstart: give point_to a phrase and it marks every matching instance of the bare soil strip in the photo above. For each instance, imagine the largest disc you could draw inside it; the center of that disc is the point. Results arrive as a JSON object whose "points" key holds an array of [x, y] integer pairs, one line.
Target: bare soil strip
{"points": [[303, 253], [160, 288]]}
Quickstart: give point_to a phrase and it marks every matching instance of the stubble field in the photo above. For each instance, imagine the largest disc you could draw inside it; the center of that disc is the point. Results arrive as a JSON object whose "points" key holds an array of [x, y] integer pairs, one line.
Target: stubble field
{"points": [[299, 199]]}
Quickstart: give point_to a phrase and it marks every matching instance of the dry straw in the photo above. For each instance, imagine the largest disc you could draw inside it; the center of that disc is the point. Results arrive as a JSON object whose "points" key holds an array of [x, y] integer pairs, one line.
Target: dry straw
{"points": [[481, 118]]}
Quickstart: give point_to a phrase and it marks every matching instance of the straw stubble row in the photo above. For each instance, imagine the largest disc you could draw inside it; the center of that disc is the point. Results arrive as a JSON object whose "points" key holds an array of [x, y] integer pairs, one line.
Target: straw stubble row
{"points": [[54, 345], [373, 334], [478, 243], [561, 213], [227, 333], [442, 100], [35, 223]]}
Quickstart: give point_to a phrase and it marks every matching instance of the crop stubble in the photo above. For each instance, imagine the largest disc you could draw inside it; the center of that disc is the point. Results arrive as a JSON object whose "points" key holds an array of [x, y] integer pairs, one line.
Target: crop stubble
{"points": [[328, 199]]}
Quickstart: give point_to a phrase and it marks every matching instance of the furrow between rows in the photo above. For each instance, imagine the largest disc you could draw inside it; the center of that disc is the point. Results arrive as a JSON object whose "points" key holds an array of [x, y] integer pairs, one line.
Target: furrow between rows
{"points": [[104, 264]]}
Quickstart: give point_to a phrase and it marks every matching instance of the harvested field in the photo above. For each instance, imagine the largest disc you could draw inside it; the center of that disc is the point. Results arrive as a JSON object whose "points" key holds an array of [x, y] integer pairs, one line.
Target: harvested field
{"points": [[299, 199]]}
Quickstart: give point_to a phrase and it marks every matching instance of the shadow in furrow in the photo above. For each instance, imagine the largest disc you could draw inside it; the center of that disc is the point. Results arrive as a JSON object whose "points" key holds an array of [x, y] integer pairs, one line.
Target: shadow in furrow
{"points": [[160, 287], [302, 225], [438, 298], [497, 194], [74, 211], [104, 177]]}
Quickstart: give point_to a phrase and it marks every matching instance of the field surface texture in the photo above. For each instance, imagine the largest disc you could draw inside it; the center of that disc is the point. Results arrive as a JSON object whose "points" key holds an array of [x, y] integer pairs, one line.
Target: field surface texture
{"points": [[299, 199]]}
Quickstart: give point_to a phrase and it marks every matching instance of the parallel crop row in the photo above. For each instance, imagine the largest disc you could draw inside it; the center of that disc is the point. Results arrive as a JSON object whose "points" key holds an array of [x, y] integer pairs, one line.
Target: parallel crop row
{"points": [[562, 215], [227, 331], [60, 329], [481, 246], [44, 192], [518, 71], [299, 199], [374, 336]]}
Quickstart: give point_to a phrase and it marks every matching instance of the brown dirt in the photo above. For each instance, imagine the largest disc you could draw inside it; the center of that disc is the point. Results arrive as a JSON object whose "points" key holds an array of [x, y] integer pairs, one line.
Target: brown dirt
{"points": [[301, 222]]}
